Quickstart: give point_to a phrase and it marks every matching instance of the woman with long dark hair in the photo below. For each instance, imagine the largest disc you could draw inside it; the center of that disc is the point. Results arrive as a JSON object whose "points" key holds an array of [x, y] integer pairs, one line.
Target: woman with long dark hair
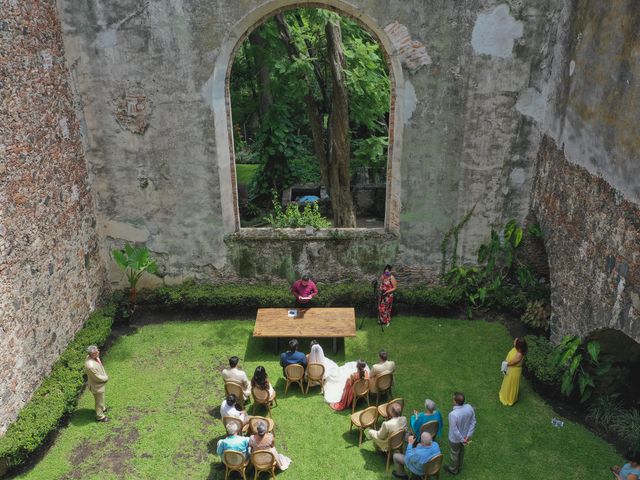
{"points": [[261, 380], [511, 381], [387, 284]]}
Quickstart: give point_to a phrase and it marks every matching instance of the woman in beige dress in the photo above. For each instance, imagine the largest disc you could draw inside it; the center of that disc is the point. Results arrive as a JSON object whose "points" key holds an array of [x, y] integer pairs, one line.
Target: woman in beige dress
{"points": [[263, 440]]}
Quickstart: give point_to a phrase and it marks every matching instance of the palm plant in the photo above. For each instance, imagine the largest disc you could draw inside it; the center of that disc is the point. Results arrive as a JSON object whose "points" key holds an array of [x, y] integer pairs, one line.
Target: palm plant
{"points": [[134, 261]]}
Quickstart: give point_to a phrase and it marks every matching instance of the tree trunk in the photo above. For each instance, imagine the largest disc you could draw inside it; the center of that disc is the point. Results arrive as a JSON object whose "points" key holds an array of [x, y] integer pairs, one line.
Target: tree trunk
{"points": [[339, 151], [331, 146], [262, 71]]}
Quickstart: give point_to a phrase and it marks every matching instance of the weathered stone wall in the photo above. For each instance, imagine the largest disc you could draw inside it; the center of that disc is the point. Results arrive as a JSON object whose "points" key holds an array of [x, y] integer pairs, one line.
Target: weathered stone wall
{"points": [[587, 194], [50, 267], [592, 235], [151, 76]]}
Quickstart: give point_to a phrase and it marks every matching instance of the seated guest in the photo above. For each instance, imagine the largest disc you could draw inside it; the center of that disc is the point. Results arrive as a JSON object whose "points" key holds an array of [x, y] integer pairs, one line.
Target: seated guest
{"points": [[630, 470], [416, 456], [230, 408], [430, 413], [346, 399], [233, 441], [382, 367], [265, 441], [235, 374], [396, 422], [304, 290], [316, 355], [261, 381], [293, 356]]}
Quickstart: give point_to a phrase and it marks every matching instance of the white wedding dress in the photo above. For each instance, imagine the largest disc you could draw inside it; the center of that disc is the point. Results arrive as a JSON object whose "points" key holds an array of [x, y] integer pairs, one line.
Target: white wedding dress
{"points": [[335, 376]]}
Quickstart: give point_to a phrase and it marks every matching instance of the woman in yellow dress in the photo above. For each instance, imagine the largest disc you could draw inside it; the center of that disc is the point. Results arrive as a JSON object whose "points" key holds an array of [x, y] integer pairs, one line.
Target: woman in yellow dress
{"points": [[511, 381]]}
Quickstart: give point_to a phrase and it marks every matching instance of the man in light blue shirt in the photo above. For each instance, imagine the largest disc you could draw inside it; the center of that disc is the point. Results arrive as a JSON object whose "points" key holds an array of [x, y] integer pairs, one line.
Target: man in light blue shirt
{"points": [[415, 458], [233, 441], [462, 424]]}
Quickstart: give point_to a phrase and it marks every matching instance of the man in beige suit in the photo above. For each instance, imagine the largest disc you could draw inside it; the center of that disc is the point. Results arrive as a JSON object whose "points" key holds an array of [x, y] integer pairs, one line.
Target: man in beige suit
{"points": [[234, 374], [97, 377], [396, 422], [383, 366]]}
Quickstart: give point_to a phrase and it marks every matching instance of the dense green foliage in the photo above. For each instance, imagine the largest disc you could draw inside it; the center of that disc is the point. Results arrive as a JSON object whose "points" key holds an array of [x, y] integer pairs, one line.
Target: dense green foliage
{"points": [[580, 365], [243, 296], [609, 412], [268, 88], [165, 390], [293, 217], [539, 362], [57, 395], [500, 279]]}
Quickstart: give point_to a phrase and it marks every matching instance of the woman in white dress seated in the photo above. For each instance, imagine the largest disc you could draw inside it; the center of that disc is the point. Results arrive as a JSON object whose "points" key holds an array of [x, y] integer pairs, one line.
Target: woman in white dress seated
{"points": [[316, 355]]}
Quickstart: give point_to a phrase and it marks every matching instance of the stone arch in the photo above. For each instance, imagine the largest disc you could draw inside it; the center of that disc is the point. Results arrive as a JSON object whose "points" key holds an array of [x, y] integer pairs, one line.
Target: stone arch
{"points": [[217, 92]]}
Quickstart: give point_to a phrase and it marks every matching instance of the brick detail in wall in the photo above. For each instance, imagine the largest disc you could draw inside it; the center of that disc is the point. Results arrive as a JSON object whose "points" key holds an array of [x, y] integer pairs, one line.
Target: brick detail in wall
{"points": [[50, 270], [592, 236]]}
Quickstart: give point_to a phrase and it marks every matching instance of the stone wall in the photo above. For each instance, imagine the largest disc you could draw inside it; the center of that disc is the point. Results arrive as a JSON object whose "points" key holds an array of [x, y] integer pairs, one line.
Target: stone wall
{"points": [[587, 193], [151, 76], [592, 235], [50, 265]]}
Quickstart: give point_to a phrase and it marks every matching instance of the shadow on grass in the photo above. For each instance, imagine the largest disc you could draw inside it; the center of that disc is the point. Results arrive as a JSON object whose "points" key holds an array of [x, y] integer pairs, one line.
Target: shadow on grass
{"points": [[375, 461], [82, 417]]}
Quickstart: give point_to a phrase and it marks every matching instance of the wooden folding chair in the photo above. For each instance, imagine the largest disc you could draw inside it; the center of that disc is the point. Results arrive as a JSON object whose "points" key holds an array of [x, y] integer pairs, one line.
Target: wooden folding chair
{"points": [[234, 462], [295, 374], [396, 440], [263, 461], [431, 427], [254, 421], [360, 390], [315, 373], [383, 385], [433, 466], [383, 410], [261, 397], [364, 419], [236, 389]]}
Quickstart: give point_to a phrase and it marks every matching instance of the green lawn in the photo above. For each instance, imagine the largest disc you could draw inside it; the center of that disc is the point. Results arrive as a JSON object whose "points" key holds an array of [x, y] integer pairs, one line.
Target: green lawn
{"points": [[165, 385], [245, 172]]}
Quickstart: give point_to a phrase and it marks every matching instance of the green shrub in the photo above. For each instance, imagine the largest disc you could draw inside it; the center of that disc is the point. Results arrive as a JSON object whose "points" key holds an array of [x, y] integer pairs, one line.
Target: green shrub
{"points": [[627, 425], [238, 296], [604, 409], [539, 361], [56, 396]]}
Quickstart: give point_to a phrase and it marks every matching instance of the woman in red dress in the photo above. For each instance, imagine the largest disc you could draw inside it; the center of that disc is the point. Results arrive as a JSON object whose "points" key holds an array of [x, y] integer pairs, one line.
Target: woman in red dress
{"points": [[388, 285], [347, 394]]}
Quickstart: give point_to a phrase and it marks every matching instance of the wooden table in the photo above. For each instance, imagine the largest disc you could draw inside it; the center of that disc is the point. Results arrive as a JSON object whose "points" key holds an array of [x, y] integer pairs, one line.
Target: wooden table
{"points": [[311, 322]]}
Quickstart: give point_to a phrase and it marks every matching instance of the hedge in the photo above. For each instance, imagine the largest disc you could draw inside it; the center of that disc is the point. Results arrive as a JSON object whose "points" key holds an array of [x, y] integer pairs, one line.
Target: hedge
{"points": [[539, 361], [245, 296], [57, 395]]}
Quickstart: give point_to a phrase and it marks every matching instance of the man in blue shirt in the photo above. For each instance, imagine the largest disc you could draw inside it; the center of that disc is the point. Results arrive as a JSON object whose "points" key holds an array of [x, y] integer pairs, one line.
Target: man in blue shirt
{"points": [[293, 356], [416, 457], [233, 441]]}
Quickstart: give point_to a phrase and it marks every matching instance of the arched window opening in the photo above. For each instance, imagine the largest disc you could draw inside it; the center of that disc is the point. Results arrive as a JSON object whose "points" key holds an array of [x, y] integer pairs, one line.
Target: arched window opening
{"points": [[310, 94]]}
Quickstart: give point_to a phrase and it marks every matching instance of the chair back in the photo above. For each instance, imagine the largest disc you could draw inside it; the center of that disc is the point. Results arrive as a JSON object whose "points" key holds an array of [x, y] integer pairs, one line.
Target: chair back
{"points": [[384, 382], [433, 466], [368, 417], [227, 419], [396, 440], [399, 401], [263, 459], [233, 459], [259, 395], [430, 427], [361, 387], [315, 371], [236, 389], [255, 420], [294, 372]]}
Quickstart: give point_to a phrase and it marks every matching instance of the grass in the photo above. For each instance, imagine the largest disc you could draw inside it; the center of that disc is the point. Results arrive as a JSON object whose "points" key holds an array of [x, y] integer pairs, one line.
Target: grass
{"points": [[245, 172], [165, 386]]}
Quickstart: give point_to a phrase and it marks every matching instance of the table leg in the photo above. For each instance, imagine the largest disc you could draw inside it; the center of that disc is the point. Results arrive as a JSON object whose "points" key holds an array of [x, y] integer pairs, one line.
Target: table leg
{"points": [[277, 345], [335, 345]]}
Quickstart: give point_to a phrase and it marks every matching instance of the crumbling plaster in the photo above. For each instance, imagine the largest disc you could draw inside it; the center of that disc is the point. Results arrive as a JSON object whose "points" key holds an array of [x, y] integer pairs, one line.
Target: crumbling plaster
{"points": [[458, 137]]}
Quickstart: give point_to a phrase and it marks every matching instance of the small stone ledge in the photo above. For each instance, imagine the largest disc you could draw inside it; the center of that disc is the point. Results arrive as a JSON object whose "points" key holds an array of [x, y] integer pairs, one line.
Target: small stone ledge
{"points": [[317, 235]]}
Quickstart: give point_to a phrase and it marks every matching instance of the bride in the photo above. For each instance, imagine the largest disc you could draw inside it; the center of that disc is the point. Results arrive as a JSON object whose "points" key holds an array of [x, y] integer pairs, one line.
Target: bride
{"points": [[335, 376]]}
